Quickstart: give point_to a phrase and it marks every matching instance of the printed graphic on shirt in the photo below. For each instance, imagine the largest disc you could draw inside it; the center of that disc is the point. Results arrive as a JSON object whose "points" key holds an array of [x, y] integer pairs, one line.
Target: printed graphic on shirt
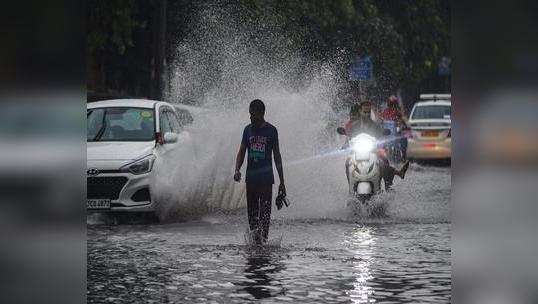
{"points": [[258, 146]]}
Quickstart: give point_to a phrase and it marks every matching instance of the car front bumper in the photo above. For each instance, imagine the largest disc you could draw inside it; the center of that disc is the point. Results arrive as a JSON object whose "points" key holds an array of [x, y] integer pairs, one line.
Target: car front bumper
{"points": [[429, 149], [127, 192]]}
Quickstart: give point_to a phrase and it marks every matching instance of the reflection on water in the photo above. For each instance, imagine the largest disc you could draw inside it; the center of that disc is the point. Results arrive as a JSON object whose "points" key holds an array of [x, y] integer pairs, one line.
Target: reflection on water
{"points": [[317, 262], [259, 273], [361, 243]]}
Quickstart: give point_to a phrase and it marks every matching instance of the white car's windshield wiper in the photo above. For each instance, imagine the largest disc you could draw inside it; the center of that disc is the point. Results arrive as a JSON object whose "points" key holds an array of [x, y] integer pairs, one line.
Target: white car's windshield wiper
{"points": [[101, 130]]}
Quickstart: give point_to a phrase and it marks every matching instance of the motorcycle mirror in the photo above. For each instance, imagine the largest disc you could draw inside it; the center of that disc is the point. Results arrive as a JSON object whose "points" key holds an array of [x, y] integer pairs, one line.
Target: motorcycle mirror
{"points": [[341, 131], [386, 132]]}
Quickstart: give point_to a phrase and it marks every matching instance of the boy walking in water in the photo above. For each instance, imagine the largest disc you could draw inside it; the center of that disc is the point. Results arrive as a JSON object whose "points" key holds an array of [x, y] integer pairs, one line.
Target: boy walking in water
{"points": [[261, 140]]}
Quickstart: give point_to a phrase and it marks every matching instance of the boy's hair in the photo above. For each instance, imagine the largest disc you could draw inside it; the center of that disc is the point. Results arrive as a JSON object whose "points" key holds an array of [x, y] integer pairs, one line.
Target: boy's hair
{"points": [[257, 106]]}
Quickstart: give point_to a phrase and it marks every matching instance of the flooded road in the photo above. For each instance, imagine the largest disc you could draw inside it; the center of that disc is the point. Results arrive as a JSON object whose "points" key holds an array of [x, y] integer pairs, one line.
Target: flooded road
{"points": [[401, 258]]}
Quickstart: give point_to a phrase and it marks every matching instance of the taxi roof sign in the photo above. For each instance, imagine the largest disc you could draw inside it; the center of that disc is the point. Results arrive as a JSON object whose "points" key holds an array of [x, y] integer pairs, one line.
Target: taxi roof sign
{"points": [[435, 96]]}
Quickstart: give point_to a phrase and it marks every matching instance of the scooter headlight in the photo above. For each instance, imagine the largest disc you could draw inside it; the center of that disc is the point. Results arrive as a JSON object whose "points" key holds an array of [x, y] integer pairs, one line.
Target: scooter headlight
{"points": [[363, 143], [140, 166]]}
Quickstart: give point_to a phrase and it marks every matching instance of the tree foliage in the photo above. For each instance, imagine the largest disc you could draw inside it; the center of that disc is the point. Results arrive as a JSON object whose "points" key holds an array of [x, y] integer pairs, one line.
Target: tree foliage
{"points": [[406, 38], [111, 24]]}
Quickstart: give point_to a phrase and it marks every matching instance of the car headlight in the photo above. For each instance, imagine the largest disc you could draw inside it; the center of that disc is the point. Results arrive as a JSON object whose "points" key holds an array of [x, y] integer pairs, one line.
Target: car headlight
{"points": [[363, 143], [140, 166]]}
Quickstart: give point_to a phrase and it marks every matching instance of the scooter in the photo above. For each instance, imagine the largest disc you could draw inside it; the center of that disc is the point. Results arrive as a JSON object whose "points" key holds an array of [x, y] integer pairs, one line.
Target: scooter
{"points": [[363, 170]]}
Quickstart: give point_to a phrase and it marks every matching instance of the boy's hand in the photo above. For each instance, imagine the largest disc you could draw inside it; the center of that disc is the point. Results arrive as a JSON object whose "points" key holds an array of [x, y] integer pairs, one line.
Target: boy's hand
{"points": [[281, 198], [282, 189], [278, 204], [237, 176]]}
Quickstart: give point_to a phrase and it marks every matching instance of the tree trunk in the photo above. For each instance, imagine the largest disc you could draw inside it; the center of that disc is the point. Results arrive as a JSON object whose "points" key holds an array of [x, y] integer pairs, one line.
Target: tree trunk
{"points": [[159, 34]]}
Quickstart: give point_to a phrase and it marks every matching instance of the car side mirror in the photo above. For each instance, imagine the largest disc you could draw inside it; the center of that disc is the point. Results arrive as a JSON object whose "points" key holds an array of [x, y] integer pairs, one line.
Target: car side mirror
{"points": [[169, 138], [341, 131], [386, 132]]}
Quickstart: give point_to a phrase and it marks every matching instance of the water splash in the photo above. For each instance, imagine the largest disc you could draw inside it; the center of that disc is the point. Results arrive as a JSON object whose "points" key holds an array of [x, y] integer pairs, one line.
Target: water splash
{"points": [[222, 65]]}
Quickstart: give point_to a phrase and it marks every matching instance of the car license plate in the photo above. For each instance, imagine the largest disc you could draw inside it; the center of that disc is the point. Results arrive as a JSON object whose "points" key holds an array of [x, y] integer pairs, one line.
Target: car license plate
{"points": [[98, 204], [430, 133]]}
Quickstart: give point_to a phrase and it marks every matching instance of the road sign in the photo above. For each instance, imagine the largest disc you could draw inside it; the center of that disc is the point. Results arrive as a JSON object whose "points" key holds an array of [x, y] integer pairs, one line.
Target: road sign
{"points": [[361, 69]]}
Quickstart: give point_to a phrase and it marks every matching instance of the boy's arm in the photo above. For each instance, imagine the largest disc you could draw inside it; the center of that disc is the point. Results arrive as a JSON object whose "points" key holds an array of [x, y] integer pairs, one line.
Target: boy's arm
{"points": [[240, 157], [278, 164]]}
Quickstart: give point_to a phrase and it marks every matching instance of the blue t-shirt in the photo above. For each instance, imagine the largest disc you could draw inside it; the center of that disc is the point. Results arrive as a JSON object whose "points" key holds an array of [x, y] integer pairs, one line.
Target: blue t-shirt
{"points": [[260, 143]]}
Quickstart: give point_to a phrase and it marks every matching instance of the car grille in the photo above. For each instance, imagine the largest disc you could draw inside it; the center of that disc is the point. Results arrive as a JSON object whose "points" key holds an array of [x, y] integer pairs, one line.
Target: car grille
{"points": [[105, 186]]}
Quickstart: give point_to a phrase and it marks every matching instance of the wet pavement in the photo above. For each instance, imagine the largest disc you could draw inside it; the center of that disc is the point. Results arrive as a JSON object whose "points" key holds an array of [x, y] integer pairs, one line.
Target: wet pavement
{"points": [[338, 260]]}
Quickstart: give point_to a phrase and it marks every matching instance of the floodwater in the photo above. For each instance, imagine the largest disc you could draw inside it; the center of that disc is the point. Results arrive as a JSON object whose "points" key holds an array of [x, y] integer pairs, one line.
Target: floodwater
{"points": [[403, 257], [320, 251]]}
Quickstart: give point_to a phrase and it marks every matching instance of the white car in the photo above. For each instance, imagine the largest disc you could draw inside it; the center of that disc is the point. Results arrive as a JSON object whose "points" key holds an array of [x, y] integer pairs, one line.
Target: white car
{"points": [[430, 123], [124, 137]]}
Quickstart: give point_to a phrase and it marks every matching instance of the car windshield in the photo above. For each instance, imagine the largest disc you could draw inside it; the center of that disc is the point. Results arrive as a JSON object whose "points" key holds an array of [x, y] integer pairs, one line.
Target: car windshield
{"points": [[120, 124], [432, 112]]}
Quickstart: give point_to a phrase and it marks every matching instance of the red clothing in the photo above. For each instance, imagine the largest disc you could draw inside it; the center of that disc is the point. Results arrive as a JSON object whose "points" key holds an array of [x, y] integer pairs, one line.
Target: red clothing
{"points": [[391, 114]]}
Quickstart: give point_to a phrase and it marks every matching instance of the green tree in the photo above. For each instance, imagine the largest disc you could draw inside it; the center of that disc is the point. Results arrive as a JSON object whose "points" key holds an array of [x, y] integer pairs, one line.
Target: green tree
{"points": [[405, 38], [425, 28], [111, 24]]}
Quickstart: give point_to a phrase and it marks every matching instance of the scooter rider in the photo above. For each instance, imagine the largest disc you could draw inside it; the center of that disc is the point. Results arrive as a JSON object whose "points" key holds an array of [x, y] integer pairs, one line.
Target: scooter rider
{"points": [[394, 113], [362, 122]]}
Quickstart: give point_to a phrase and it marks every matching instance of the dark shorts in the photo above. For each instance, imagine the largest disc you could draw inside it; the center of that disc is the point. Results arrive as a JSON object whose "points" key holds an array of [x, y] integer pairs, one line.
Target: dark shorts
{"points": [[259, 197]]}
